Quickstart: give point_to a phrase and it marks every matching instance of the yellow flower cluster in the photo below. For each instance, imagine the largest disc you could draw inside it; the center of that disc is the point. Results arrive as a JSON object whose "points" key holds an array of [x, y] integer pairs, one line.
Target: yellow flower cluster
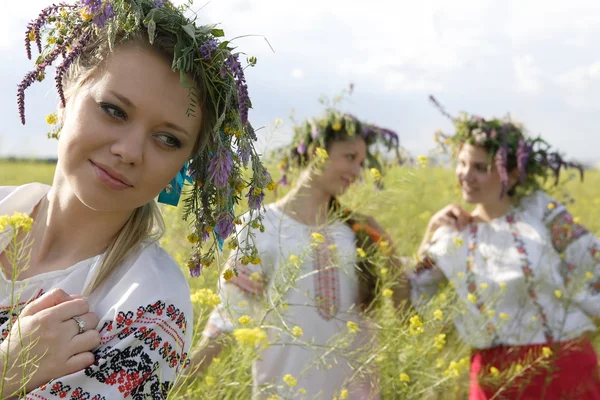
{"points": [[352, 327], [375, 173], [317, 237], [440, 341], [244, 320], [18, 221], [205, 297], [290, 380], [297, 331], [455, 369], [416, 325], [387, 293], [250, 337], [361, 253]]}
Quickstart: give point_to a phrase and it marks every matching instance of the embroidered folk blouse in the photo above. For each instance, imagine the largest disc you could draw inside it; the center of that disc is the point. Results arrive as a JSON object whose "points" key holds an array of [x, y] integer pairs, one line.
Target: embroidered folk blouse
{"points": [[324, 298], [144, 310], [529, 277]]}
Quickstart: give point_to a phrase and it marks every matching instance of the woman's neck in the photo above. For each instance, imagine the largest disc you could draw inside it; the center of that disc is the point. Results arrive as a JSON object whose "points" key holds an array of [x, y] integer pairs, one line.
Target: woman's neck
{"points": [[306, 203], [69, 230], [491, 211]]}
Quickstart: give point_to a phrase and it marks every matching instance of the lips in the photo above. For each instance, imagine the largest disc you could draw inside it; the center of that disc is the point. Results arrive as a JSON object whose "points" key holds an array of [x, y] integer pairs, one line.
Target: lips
{"points": [[109, 177]]}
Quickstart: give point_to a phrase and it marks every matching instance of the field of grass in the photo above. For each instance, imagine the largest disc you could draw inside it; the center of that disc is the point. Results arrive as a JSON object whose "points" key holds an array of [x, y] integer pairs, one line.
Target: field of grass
{"points": [[410, 197]]}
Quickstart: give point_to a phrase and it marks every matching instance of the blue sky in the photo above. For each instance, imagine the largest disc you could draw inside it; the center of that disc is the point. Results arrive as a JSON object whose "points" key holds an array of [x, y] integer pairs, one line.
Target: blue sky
{"points": [[538, 60]]}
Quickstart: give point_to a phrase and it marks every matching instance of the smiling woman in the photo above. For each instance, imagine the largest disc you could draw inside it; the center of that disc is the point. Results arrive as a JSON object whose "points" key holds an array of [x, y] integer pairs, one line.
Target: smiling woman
{"points": [[149, 101]]}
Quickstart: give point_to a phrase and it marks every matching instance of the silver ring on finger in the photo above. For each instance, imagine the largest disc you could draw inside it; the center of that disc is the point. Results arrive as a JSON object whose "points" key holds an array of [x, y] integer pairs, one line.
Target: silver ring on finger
{"points": [[80, 324]]}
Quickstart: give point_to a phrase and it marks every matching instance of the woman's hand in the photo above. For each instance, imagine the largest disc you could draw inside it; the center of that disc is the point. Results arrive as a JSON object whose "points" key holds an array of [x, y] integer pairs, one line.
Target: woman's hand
{"points": [[451, 215], [45, 343]]}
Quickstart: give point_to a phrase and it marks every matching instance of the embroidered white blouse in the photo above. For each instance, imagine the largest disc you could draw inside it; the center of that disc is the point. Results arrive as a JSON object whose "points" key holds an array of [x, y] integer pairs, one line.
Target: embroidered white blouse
{"points": [[528, 277], [144, 310], [322, 301]]}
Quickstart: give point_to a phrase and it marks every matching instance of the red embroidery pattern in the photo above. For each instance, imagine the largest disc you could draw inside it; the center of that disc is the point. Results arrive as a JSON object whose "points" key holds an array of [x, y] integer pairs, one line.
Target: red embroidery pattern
{"points": [[470, 279], [132, 370], [327, 282], [528, 274], [565, 231]]}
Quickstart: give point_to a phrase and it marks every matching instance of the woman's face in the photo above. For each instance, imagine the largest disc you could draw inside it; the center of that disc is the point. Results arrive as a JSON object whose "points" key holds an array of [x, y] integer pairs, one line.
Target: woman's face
{"points": [[343, 166], [479, 181], [125, 133]]}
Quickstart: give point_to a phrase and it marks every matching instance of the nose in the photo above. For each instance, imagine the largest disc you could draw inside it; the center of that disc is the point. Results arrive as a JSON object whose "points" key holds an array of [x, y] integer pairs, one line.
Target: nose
{"points": [[356, 170], [129, 145]]}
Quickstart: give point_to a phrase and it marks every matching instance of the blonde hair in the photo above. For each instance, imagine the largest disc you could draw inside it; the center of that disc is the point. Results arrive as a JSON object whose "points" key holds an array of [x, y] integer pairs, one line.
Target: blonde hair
{"points": [[145, 223]]}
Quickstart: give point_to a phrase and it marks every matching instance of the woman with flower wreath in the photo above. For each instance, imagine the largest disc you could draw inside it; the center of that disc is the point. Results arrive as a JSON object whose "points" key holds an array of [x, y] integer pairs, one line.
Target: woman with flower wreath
{"points": [[91, 306], [307, 234], [527, 270]]}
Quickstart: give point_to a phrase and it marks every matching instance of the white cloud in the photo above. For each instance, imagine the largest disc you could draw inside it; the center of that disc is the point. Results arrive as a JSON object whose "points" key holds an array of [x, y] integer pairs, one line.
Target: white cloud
{"points": [[297, 73], [527, 74], [581, 85]]}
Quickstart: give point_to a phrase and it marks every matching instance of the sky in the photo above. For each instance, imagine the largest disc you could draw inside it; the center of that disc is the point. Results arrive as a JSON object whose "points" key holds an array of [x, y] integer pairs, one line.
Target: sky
{"points": [[538, 60]]}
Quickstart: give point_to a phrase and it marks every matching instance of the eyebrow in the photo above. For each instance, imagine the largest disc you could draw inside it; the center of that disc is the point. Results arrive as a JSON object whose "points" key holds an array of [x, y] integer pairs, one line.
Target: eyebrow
{"points": [[128, 103]]}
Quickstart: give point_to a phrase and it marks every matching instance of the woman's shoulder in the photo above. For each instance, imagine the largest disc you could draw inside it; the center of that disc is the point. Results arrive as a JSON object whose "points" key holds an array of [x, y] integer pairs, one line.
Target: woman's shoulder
{"points": [[150, 274], [25, 192]]}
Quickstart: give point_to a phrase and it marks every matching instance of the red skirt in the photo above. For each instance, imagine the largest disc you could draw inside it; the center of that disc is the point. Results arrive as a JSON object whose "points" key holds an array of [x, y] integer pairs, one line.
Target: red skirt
{"points": [[571, 372]]}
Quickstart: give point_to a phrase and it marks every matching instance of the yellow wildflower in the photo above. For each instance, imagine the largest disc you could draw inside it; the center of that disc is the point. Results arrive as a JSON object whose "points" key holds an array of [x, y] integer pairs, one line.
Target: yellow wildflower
{"points": [[383, 271], [31, 35], [503, 316], [301, 390], [250, 337], [210, 381], [494, 371], [343, 394], [297, 331], [318, 237], [294, 259], [375, 173], [438, 314], [518, 367], [589, 275], [257, 191], [404, 377], [255, 276], [576, 220], [208, 229], [387, 293], [228, 274], [502, 285], [439, 363], [551, 206], [3, 222], [491, 313], [454, 369], [422, 161], [352, 327], [484, 286], [290, 380], [471, 297], [21, 221], [558, 293], [205, 297], [360, 252], [233, 244], [460, 274], [271, 186], [85, 14], [458, 242], [192, 238], [216, 360], [255, 260], [332, 247], [440, 341], [546, 351], [244, 320], [51, 119], [416, 325], [322, 154], [337, 126]]}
